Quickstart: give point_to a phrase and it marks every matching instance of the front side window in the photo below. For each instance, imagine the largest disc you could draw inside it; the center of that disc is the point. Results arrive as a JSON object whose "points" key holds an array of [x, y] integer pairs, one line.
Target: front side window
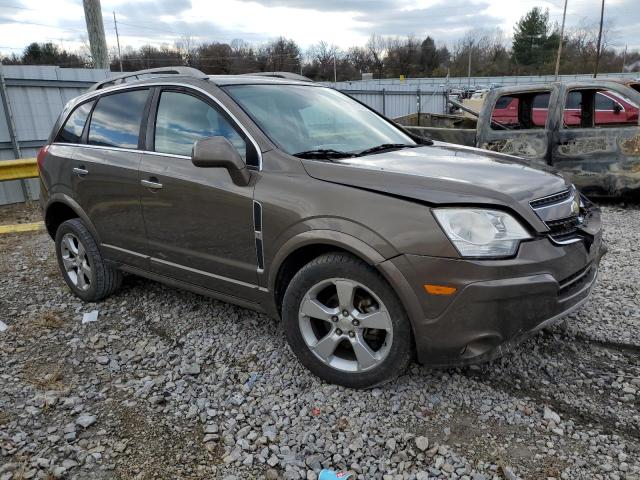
{"points": [[182, 119], [73, 127], [589, 108], [115, 121], [301, 118]]}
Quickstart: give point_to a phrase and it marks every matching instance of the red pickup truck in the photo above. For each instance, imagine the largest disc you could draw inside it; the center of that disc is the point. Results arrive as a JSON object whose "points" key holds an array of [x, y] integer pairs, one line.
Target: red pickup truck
{"points": [[611, 108]]}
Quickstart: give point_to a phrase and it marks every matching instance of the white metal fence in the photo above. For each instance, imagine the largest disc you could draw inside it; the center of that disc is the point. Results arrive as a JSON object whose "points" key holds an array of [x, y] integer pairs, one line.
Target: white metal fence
{"points": [[441, 83], [398, 100]]}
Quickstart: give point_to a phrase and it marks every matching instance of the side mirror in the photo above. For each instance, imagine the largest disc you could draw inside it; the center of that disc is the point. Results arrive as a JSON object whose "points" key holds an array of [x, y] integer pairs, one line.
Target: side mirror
{"points": [[219, 152]]}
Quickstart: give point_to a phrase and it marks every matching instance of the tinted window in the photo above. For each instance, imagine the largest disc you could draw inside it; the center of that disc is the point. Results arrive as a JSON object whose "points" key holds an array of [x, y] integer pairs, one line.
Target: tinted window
{"points": [[115, 121], [604, 103], [521, 111], [541, 100], [182, 119], [574, 100], [72, 130], [503, 102]]}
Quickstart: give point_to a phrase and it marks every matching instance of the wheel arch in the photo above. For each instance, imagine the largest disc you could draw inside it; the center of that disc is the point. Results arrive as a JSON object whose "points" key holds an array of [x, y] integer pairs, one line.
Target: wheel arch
{"points": [[304, 247], [60, 208]]}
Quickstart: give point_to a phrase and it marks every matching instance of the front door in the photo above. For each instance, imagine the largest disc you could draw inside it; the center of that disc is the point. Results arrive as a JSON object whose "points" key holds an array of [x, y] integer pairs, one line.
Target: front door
{"points": [[597, 145], [105, 175], [199, 223]]}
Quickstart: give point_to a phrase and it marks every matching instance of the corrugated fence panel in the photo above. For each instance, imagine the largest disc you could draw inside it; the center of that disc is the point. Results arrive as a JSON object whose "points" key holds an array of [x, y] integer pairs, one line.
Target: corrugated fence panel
{"points": [[37, 95]]}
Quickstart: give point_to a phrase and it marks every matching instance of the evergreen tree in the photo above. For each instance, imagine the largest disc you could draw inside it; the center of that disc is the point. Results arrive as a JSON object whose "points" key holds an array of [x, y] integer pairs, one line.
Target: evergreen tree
{"points": [[534, 40]]}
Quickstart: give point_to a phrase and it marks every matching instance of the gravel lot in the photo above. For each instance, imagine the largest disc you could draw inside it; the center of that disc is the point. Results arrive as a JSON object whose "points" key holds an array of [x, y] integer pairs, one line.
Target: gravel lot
{"points": [[167, 384]]}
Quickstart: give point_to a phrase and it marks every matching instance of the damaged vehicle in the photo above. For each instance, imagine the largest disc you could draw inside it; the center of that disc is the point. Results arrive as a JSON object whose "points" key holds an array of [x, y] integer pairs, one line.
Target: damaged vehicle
{"points": [[372, 245], [588, 131]]}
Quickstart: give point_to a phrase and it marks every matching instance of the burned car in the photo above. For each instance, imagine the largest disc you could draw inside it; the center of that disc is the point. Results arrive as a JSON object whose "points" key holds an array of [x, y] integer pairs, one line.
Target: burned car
{"points": [[588, 131]]}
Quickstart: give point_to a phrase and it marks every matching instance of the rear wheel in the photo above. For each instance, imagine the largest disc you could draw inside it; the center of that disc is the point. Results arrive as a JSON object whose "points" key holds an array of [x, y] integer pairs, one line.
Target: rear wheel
{"points": [[345, 323], [81, 263]]}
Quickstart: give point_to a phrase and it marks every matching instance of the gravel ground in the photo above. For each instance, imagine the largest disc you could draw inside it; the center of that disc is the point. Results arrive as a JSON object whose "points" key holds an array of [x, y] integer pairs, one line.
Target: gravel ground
{"points": [[167, 384]]}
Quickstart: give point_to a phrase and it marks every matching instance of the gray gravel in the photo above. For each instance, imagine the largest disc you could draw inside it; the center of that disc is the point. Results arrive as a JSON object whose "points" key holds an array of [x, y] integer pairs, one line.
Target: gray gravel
{"points": [[167, 384]]}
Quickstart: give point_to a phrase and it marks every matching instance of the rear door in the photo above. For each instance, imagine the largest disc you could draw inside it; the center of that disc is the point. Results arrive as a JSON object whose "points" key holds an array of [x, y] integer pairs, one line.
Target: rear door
{"points": [[596, 145], [199, 224], [105, 174], [517, 124]]}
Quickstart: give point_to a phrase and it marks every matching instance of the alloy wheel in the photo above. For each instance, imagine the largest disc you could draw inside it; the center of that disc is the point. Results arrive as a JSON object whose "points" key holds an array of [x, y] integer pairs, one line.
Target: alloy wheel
{"points": [[75, 261], [345, 325]]}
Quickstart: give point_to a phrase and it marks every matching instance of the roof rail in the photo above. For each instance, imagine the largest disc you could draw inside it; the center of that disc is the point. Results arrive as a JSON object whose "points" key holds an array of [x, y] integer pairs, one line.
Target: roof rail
{"points": [[287, 75], [188, 71]]}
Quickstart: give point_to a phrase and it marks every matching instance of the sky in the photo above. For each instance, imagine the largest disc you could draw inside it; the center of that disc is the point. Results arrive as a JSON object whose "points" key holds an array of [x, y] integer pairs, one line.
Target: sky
{"points": [[341, 22]]}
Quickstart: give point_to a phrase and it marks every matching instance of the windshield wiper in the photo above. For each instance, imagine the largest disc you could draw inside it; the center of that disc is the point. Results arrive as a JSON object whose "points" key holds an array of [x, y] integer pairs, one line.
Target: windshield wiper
{"points": [[323, 153], [384, 147]]}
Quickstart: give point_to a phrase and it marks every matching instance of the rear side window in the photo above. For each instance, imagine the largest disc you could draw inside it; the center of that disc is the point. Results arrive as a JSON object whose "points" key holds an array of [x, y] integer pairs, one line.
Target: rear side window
{"points": [[73, 127], [522, 111], [115, 121], [182, 119]]}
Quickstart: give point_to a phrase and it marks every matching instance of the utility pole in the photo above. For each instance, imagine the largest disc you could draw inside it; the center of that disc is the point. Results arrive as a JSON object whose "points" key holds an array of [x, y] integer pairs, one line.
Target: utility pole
{"points": [[595, 72], [335, 74], [95, 29], [115, 23], [469, 68], [564, 16], [624, 58]]}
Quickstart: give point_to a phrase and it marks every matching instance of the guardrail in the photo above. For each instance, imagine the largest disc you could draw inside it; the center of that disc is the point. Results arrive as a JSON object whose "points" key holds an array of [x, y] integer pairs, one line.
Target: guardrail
{"points": [[18, 169]]}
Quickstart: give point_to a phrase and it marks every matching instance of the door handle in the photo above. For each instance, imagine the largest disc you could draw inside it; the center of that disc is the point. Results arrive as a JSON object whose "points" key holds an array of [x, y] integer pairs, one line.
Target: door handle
{"points": [[80, 171], [152, 183]]}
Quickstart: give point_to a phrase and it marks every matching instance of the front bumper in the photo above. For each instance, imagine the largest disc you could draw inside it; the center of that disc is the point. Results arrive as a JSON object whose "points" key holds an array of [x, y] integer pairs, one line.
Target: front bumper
{"points": [[498, 303]]}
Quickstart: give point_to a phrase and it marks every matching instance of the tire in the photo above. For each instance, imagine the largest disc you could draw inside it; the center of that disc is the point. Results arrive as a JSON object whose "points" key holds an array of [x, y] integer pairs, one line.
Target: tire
{"points": [[331, 340], [81, 263]]}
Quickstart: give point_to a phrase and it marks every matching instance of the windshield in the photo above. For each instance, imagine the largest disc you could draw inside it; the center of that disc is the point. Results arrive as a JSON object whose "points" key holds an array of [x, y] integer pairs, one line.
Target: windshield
{"points": [[302, 119]]}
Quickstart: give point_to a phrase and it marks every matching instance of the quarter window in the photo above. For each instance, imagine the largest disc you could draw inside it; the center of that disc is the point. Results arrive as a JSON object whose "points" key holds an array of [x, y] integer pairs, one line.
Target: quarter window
{"points": [[115, 121], [73, 127], [182, 119]]}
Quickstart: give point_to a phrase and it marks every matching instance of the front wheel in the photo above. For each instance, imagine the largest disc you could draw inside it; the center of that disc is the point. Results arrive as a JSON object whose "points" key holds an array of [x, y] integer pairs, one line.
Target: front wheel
{"points": [[345, 323]]}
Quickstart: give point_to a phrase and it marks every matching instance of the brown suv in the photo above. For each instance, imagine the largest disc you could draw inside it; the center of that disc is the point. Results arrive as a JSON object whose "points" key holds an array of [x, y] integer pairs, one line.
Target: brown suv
{"points": [[290, 198]]}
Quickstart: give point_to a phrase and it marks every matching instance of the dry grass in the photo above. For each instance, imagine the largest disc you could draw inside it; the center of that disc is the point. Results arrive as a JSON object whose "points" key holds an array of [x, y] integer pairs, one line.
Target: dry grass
{"points": [[4, 417], [33, 327], [44, 377], [49, 320]]}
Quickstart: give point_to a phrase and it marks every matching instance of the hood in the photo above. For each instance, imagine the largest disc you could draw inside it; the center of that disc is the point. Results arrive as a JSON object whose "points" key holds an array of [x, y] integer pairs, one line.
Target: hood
{"points": [[446, 174]]}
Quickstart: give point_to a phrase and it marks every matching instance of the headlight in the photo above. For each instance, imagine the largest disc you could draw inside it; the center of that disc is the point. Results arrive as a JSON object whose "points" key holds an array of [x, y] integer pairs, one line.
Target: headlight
{"points": [[481, 233]]}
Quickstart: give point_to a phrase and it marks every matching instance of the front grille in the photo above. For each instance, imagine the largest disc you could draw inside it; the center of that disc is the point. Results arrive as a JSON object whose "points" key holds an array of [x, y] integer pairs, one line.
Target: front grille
{"points": [[560, 215], [563, 229], [575, 281], [551, 199]]}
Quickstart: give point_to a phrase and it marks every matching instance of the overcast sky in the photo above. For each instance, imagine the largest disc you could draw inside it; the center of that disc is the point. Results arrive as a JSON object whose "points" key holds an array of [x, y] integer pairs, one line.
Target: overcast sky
{"points": [[342, 22]]}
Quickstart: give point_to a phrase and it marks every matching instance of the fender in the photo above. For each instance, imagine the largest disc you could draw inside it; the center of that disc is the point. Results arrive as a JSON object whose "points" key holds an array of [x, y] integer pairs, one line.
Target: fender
{"points": [[71, 203], [324, 237]]}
